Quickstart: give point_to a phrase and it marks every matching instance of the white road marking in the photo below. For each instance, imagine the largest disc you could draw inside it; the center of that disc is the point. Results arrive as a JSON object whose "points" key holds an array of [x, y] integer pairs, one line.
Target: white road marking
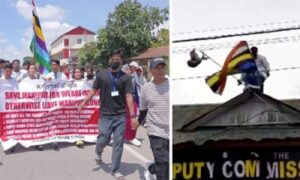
{"points": [[136, 154]]}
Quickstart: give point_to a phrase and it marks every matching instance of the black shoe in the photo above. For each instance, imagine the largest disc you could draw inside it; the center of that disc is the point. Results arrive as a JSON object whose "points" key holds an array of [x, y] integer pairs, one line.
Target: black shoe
{"points": [[55, 146], [12, 150], [39, 147]]}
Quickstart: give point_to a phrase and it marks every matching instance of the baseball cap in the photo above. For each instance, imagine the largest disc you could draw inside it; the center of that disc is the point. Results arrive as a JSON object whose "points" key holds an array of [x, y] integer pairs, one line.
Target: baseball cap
{"points": [[2, 61], [156, 61], [133, 63], [64, 62]]}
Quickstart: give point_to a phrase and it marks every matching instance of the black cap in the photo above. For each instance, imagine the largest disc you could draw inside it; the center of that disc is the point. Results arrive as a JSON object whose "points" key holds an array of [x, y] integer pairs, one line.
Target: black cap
{"points": [[156, 61], [2, 61]]}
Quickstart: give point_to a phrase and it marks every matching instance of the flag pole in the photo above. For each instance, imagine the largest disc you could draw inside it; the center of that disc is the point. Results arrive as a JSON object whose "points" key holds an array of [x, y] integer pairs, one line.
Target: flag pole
{"points": [[214, 61]]}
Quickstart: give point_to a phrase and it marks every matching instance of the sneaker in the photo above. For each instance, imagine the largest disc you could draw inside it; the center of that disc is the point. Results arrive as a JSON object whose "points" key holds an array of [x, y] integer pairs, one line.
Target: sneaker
{"points": [[151, 167], [79, 143], [149, 176], [13, 149], [39, 147], [98, 160], [118, 175], [135, 142], [150, 172], [55, 146], [111, 142]]}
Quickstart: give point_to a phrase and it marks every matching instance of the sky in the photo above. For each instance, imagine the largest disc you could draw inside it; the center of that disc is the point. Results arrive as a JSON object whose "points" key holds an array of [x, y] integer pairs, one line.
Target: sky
{"points": [[207, 18], [56, 17]]}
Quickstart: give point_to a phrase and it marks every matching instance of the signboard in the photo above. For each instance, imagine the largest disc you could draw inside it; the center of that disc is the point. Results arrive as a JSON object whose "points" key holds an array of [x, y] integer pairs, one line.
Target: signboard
{"points": [[237, 163]]}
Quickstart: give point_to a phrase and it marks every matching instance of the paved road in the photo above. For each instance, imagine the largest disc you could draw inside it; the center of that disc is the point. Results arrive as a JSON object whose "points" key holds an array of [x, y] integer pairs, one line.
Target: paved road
{"points": [[73, 163]]}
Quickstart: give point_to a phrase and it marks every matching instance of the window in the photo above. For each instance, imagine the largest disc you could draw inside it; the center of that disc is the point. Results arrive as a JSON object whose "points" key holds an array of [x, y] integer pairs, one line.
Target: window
{"points": [[79, 41], [272, 116], [66, 42]]}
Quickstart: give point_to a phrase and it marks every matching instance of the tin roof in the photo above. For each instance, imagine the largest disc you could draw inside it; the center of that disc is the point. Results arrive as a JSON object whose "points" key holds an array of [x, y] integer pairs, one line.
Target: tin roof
{"points": [[152, 53], [199, 123]]}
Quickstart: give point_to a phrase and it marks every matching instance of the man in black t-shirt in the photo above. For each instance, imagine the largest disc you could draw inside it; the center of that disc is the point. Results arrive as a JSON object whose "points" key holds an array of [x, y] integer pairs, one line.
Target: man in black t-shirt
{"points": [[116, 91]]}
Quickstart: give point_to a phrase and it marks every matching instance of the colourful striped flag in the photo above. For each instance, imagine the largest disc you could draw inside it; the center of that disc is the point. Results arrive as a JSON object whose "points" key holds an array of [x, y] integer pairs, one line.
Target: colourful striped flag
{"points": [[239, 60], [38, 45]]}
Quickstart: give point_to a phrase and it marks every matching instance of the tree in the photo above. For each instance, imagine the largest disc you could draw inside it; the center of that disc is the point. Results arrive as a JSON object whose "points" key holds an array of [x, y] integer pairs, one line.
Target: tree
{"points": [[89, 54], [162, 39], [131, 27]]}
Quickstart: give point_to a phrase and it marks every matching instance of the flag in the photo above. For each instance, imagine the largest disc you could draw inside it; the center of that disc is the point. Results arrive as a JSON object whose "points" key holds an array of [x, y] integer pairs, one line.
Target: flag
{"points": [[38, 45], [239, 60]]}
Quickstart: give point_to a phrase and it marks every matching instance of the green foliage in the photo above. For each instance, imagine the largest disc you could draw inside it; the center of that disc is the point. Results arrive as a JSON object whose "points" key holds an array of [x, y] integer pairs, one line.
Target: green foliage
{"points": [[130, 27], [162, 39], [89, 54]]}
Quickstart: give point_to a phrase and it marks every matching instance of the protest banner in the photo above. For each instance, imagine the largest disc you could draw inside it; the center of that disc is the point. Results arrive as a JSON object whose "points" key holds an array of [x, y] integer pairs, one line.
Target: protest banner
{"points": [[36, 112]]}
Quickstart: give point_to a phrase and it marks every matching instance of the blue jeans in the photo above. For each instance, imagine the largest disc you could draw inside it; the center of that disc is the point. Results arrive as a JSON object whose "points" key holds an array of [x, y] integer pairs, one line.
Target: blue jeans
{"points": [[255, 79], [109, 125]]}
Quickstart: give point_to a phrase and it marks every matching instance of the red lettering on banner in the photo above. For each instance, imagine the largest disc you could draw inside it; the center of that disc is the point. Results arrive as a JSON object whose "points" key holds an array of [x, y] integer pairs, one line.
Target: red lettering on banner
{"points": [[93, 102], [76, 93], [49, 105], [65, 93], [86, 92], [12, 95], [39, 116], [69, 102], [54, 94], [22, 105], [34, 95]]}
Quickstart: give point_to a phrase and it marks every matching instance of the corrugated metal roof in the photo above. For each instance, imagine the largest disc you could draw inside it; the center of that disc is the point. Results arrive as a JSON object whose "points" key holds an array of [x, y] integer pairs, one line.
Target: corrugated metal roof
{"points": [[152, 53], [251, 99], [75, 31], [193, 116], [187, 113], [255, 133]]}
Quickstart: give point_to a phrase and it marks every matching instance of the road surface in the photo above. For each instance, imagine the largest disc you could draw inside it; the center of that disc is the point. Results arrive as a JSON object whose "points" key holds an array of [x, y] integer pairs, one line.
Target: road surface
{"points": [[71, 162]]}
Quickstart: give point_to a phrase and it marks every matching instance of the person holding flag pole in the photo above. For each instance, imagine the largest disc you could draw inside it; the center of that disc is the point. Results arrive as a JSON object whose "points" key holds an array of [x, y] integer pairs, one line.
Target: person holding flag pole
{"points": [[40, 53], [38, 45]]}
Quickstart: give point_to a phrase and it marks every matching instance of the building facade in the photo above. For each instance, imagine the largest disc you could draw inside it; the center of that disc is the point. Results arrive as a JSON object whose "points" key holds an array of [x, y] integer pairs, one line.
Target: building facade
{"points": [[145, 57], [66, 47]]}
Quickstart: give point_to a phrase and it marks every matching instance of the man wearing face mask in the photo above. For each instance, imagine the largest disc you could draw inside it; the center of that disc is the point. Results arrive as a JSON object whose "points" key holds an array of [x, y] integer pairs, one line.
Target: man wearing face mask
{"points": [[116, 91]]}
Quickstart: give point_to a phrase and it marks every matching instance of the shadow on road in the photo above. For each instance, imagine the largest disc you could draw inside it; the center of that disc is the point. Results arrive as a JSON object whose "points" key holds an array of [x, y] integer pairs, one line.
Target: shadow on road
{"points": [[47, 147], [125, 168]]}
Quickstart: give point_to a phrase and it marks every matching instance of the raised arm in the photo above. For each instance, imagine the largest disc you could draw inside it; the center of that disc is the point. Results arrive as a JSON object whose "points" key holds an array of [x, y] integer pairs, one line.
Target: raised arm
{"points": [[86, 99]]}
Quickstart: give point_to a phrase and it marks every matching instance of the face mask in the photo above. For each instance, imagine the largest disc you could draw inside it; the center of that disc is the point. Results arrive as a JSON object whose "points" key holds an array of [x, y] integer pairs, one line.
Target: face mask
{"points": [[90, 77], [114, 65]]}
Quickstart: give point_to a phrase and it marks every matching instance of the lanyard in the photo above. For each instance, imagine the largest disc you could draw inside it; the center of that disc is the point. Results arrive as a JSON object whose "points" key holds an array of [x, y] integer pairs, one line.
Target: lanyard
{"points": [[114, 80]]}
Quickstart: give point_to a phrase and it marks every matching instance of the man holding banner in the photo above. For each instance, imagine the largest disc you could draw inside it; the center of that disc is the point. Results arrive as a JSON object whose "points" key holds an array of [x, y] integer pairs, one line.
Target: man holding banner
{"points": [[55, 74], [116, 90], [7, 72]]}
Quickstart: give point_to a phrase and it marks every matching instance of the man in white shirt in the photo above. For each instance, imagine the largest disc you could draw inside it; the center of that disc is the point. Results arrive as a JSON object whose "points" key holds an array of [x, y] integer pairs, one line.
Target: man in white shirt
{"points": [[255, 80], [7, 75], [17, 73], [262, 64], [140, 78], [55, 74], [7, 72], [263, 67], [2, 63]]}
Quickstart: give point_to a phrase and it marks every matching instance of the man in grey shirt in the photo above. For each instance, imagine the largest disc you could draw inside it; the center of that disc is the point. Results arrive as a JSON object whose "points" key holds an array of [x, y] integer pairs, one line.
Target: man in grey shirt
{"points": [[154, 104], [115, 92]]}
